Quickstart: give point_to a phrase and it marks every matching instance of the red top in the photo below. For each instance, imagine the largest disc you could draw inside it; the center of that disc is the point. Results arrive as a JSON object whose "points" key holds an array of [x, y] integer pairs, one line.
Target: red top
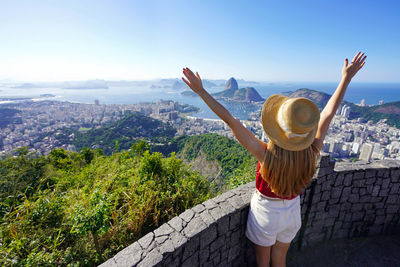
{"points": [[264, 188]]}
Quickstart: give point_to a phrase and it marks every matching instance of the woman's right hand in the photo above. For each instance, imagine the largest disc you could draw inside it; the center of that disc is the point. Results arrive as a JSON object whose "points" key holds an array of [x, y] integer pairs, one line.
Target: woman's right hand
{"points": [[193, 81], [356, 64]]}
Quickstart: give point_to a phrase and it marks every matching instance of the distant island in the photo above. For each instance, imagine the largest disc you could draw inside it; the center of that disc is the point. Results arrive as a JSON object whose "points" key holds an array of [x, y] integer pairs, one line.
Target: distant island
{"points": [[89, 84], [232, 92]]}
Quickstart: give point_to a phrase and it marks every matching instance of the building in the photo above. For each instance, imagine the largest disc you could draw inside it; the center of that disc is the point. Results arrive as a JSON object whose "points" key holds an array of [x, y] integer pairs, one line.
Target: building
{"points": [[345, 111], [366, 152], [96, 102]]}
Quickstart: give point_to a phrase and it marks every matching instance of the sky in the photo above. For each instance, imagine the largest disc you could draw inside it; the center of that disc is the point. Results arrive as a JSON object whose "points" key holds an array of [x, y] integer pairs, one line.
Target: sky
{"points": [[265, 41]]}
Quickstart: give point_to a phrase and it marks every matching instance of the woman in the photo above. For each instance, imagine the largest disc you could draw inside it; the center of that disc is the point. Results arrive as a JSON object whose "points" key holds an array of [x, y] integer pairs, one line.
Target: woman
{"points": [[286, 164]]}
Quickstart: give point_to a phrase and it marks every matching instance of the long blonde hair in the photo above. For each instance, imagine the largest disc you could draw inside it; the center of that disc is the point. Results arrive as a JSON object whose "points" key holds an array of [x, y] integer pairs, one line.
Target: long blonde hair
{"points": [[288, 172]]}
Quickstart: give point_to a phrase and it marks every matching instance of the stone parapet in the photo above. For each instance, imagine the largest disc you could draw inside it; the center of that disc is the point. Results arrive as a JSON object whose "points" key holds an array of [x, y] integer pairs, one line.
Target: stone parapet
{"points": [[343, 201]]}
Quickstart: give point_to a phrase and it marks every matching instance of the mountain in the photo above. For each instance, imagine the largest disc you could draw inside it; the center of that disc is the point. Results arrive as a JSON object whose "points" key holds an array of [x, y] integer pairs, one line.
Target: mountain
{"points": [[231, 84], [389, 111], [319, 98], [233, 93]]}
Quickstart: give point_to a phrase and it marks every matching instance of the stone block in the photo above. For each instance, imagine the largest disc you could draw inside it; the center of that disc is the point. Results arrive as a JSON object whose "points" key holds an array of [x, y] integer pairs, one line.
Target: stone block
{"points": [[152, 258], [164, 229], [129, 256], [218, 243], [392, 199], [161, 239], [365, 199], [363, 191], [376, 199], [339, 179], [191, 261], [207, 218], [353, 198], [356, 207], [375, 190], [316, 198], [370, 173], [357, 216], [380, 220], [395, 188], [146, 240], [394, 175], [359, 175], [191, 247], [237, 202], [348, 178], [326, 186], [370, 180], [176, 223], [235, 237], [329, 222], [223, 197], [392, 209], [209, 204], [195, 226], [178, 239], [354, 190], [187, 215], [198, 208], [208, 236], [345, 194], [203, 256], [223, 225], [166, 247], [228, 208], [334, 211], [234, 221], [217, 213], [336, 192], [385, 183], [317, 189], [233, 253], [333, 201], [384, 192], [325, 195]]}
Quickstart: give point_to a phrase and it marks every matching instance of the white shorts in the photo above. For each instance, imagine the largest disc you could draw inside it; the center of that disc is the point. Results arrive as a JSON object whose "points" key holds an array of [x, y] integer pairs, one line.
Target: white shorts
{"points": [[271, 220]]}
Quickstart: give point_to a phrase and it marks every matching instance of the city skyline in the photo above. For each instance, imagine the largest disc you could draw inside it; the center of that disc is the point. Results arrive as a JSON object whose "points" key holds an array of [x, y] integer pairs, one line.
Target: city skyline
{"points": [[137, 40]]}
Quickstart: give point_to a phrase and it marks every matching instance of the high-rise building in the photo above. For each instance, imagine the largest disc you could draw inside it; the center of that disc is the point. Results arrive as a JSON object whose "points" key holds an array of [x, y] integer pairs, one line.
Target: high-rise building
{"points": [[96, 102], [345, 111], [362, 102], [380, 102], [366, 152]]}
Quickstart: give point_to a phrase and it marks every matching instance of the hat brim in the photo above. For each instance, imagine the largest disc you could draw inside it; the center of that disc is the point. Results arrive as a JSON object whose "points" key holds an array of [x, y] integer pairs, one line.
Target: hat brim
{"points": [[273, 130]]}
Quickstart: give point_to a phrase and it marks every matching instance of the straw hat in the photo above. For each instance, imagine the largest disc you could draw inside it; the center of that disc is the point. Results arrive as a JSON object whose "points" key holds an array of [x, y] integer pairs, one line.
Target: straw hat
{"points": [[291, 123]]}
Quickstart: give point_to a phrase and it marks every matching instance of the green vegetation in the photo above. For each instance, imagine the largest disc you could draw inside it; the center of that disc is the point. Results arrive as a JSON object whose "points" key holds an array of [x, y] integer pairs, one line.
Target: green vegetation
{"points": [[388, 111], [71, 208], [125, 132], [237, 164]]}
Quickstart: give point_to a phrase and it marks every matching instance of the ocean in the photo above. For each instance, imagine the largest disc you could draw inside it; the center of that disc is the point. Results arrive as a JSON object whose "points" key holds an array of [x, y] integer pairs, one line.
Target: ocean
{"points": [[372, 93]]}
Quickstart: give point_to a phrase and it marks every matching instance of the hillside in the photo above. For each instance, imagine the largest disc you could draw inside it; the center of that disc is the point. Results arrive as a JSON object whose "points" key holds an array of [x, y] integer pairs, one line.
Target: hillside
{"points": [[125, 131], [247, 94], [319, 98], [389, 111], [80, 208]]}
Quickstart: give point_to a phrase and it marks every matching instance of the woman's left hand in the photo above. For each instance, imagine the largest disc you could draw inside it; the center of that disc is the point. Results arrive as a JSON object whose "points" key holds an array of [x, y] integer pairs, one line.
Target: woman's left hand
{"points": [[356, 64], [193, 81]]}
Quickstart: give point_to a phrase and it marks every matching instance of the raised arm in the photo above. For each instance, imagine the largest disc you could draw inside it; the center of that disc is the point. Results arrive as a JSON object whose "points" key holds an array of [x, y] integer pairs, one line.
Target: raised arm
{"points": [[245, 137], [336, 99]]}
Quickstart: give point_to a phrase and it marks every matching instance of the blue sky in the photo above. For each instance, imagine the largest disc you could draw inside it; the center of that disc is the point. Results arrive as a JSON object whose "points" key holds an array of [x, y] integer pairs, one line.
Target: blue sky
{"points": [[253, 40]]}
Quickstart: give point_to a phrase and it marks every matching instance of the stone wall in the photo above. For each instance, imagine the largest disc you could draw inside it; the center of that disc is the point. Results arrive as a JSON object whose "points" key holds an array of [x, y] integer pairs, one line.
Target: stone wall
{"points": [[342, 201]]}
